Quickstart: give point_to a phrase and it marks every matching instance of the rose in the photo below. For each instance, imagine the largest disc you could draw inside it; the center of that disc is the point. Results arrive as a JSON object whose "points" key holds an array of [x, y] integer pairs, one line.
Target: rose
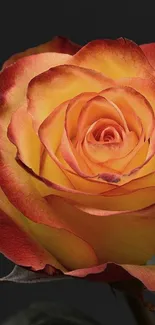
{"points": [[77, 165]]}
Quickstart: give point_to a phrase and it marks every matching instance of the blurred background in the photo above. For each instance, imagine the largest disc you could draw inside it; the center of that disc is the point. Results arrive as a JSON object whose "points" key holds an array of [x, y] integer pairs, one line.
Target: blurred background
{"points": [[95, 299], [24, 25]]}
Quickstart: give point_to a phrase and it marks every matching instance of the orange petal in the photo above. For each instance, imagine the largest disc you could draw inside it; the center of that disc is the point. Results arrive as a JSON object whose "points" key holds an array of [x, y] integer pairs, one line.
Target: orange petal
{"points": [[125, 238], [148, 158], [149, 51], [21, 191], [115, 58], [58, 44], [35, 245], [140, 198], [110, 272], [13, 87], [14, 80], [132, 103], [67, 147], [16, 240], [69, 249], [25, 197], [146, 274], [19, 247], [90, 185], [58, 85], [99, 107], [93, 110], [134, 183], [146, 87], [100, 151], [50, 170], [96, 168], [51, 140], [25, 139]]}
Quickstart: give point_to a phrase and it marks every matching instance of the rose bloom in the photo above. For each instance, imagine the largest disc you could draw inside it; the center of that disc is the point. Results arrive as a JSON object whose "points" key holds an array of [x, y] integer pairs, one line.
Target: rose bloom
{"points": [[77, 159]]}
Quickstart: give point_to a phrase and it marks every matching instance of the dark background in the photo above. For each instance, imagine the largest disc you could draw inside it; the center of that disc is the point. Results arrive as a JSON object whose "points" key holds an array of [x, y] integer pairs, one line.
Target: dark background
{"points": [[22, 25]]}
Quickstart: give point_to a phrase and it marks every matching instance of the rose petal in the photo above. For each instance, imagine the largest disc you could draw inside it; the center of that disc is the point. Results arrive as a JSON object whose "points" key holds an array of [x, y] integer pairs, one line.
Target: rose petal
{"points": [[99, 107], [14, 80], [51, 171], [58, 85], [107, 272], [22, 193], [25, 139], [132, 103], [129, 100], [140, 198], [110, 272], [102, 152], [148, 158], [35, 245], [126, 238], [90, 185], [16, 245], [69, 249], [134, 183], [13, 83], [149, 51], [58, 44], [96, 168], [51, 140], [13, 86], [16, 240], [146, 274], [115, 58], [145, 87]]}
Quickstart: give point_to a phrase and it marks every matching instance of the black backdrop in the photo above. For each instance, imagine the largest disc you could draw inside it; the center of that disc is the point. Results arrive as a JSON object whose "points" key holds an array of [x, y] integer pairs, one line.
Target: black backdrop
{"points": [[23, 25]]}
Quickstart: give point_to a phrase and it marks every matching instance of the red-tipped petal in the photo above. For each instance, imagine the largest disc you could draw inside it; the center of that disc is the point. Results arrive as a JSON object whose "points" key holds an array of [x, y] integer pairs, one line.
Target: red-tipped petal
{"points": [[15, 78], [115, 58], [149, 51], [124, 238], [59, 84], [58, 44], [19, 246], [110, 272]]}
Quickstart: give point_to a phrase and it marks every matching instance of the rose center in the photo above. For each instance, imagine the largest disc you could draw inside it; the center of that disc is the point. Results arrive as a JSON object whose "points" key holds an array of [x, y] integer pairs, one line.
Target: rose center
{"points": [[108, 134]]}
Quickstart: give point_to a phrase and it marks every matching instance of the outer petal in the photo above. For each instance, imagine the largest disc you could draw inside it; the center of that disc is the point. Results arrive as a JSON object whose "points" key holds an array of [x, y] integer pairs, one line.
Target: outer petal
{"points": [[22, 193], [149, 51], [115, 58], [16, 183], [16, 240], [14, 80], [16, 245], [31, 244], [69, 249], [58, 44], [110, 272], [146, 274], [124, 238]]}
